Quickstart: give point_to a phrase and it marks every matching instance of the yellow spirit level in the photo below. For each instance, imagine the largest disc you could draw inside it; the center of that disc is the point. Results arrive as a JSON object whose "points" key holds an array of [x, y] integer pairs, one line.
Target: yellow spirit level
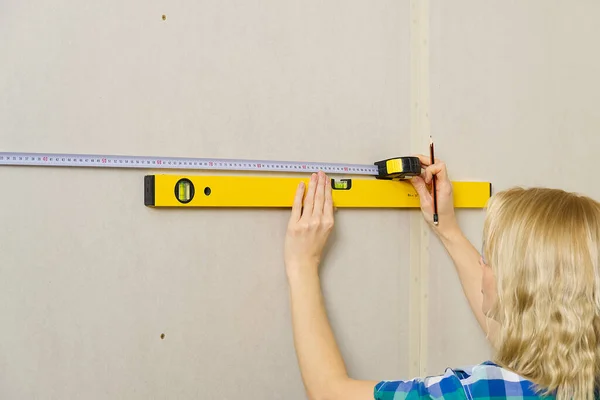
{"points": [[251, 191]]}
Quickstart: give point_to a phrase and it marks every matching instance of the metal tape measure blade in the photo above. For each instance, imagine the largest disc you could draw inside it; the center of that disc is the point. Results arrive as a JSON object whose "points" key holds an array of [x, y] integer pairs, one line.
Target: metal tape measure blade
{"points": [[115, 161]]}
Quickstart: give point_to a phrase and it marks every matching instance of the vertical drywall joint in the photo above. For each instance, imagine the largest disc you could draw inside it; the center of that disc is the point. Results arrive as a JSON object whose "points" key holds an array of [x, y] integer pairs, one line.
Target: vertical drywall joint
{"points": [[420, 131]]}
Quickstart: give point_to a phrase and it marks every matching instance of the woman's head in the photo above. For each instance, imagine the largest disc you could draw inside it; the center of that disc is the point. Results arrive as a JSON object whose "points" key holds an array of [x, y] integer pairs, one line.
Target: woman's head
{"points": [[542, 284]]}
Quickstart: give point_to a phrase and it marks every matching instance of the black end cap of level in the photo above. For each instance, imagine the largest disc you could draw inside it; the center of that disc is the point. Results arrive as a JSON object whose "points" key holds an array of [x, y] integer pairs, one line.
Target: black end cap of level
{"points": [[149, 190]]}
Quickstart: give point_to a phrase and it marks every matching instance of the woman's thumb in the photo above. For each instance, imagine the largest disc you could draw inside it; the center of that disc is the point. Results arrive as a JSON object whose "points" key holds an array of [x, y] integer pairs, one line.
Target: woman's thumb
{"points": [[420, 186]]}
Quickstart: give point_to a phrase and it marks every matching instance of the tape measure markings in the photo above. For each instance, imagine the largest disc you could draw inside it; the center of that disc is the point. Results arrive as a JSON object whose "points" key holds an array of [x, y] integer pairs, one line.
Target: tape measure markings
{"points": [[116, 161]]}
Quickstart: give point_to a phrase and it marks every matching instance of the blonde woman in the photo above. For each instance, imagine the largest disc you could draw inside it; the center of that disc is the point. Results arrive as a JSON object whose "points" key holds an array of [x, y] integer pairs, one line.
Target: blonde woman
{"points": [[535, 291]]}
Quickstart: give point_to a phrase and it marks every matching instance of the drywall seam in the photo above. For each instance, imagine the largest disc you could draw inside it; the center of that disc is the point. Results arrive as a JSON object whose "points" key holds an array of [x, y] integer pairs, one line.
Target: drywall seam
{"points": [[420, 131]]}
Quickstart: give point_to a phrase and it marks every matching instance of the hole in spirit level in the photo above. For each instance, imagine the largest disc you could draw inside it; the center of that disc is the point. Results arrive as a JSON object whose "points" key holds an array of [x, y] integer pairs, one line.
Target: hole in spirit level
{"points": [[184, 190]]}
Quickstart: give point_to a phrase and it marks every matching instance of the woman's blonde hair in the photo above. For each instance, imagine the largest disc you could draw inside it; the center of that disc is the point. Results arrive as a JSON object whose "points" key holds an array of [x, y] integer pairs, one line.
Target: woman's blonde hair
{"points": [[543, 248]]}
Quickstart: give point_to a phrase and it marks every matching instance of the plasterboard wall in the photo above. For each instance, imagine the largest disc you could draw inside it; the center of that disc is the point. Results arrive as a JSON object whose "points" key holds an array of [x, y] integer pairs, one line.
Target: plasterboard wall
{"points": [[90, 278]]}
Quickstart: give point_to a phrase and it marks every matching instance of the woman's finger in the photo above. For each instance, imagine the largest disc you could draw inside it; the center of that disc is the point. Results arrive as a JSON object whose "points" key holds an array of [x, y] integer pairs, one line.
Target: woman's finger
{"points": [[425, 160], [297, 206], [328, 208], [421, 188], [310, 196], [319, 195], [438, 169]]}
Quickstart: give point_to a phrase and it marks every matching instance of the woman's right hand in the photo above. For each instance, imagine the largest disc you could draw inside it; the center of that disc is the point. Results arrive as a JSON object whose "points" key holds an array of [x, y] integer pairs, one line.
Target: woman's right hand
{"points": [[447, 224]]}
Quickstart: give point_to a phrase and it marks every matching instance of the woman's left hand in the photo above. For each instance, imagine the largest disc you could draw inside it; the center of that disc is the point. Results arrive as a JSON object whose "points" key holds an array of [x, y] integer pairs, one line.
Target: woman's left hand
{"points": [[309, 226]]}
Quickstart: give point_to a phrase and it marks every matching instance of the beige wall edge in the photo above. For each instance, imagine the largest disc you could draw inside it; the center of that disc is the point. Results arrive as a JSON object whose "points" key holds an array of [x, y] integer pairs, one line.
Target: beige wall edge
{"points": [[420, 131]]}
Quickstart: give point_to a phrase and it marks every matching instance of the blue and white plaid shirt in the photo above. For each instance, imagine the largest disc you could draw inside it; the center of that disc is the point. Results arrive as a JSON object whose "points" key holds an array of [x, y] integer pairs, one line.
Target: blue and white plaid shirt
{"points": [[486, 381]]}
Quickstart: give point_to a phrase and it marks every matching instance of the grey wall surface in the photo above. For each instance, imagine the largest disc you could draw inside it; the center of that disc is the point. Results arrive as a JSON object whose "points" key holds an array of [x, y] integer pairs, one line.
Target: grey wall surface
{"points": [[90, 278]]}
